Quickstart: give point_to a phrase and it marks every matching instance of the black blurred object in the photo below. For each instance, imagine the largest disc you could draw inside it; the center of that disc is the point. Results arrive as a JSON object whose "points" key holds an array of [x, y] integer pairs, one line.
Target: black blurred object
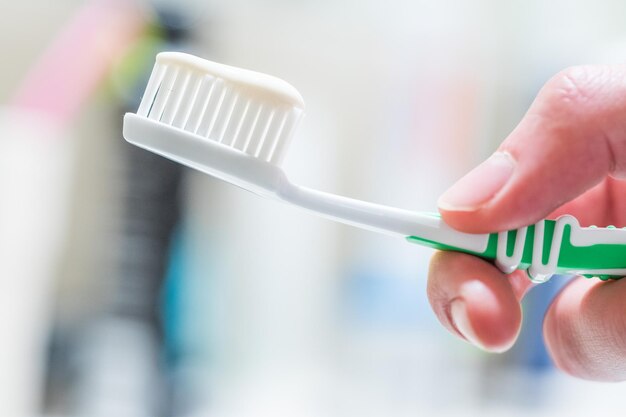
{"points": [[115, 361], [176, 27], [150, 216]]}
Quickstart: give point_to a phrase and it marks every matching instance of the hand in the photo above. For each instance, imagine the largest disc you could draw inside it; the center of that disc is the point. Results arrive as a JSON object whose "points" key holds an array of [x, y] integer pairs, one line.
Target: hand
{"points": [[567, 155]]}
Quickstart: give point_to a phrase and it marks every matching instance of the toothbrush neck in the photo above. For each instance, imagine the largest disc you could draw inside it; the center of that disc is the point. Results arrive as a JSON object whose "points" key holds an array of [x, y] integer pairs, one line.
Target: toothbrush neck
{"points": [[380, 218], [366, 215]]}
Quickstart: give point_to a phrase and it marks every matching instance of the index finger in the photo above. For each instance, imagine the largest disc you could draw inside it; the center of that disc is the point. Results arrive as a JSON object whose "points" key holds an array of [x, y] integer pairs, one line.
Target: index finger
{"points": [[572, 137]]}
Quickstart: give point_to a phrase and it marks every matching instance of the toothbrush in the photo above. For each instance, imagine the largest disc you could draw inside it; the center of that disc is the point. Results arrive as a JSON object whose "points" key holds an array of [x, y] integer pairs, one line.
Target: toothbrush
{"points": [[236, 125]]}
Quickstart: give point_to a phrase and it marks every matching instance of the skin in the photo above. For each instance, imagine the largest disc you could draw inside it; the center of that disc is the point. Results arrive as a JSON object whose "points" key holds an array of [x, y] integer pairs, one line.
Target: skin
{"points": [[569, 156]]}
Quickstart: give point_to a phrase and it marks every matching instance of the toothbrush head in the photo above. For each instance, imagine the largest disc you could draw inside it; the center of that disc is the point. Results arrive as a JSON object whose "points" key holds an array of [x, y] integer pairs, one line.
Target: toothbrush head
{"points": [[230, 123]]}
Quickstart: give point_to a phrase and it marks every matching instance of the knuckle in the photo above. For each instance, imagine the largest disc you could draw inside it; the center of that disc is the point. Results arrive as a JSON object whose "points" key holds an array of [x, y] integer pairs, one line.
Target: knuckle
{"points": [[585, 88], [577, 91], [575, 84], [582, 104]]}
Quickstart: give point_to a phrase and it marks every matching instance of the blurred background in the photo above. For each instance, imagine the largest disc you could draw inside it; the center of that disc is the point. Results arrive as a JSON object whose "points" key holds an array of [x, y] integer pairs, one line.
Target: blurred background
{"points": [[135, 287]]}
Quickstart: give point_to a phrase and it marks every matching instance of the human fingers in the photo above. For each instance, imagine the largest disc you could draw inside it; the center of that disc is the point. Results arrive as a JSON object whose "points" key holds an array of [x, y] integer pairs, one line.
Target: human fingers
{"points": [[572, 137], [585, 330], [475, 301]]}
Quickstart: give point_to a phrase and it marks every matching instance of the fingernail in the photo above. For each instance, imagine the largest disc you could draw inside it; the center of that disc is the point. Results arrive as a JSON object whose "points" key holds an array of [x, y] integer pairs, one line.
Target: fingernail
{"points": [[480, 185], [460, 320]]}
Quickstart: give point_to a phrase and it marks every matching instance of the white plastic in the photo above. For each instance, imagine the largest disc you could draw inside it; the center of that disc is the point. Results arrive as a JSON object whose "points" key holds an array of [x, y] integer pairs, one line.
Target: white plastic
{"points": [[269, 180], [236, 125]]}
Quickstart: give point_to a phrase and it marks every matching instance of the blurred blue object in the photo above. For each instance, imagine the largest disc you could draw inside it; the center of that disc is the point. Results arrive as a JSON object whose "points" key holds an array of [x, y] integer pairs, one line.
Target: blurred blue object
{"points": [[530, 350]]}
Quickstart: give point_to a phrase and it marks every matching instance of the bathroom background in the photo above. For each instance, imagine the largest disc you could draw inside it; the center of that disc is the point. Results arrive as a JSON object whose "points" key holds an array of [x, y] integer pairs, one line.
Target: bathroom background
{"points": [[135, 287]]}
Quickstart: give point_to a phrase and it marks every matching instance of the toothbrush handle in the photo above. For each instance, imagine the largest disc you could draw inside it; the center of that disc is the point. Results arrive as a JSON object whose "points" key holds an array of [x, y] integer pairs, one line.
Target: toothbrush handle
{"points": [[554, 247]]}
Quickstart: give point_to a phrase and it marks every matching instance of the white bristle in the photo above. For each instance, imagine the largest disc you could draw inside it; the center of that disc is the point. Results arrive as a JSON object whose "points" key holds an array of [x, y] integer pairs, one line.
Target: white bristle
{"points": [[200, 104], [250, 128], [224, 112], [163, 94], [153, 85], [247, 122], [175, 97], [234, 122], [265, 151], [286, 134], [187, 100], [209, 114], [260, 130], [257, 121]]}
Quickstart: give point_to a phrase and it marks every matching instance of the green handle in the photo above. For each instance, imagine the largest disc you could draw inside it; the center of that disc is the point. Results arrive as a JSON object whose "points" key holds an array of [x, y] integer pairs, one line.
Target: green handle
{"points": [[603, 255]]}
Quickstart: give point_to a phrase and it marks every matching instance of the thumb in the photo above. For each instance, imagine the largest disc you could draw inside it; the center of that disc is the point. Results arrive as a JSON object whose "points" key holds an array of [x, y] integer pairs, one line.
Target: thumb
{"points": [[571, 138]]}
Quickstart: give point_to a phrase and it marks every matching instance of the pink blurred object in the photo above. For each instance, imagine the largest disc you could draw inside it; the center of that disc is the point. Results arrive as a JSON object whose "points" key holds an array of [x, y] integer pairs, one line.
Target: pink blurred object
{"points": [[79, 58]]}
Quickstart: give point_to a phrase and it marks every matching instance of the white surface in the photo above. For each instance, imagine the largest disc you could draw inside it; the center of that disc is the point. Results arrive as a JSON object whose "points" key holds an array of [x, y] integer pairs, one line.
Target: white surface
{"points": [[32, 222]]}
